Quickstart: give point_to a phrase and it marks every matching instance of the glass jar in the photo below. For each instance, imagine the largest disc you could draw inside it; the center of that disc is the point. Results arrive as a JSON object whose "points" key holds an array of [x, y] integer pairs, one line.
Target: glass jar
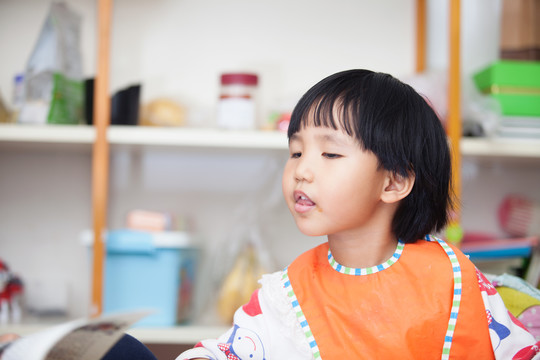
{"points": [[237, 108]]}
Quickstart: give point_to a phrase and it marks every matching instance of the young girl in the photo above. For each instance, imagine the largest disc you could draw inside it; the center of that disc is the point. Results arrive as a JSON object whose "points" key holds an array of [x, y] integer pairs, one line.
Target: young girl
{"points": [[369, 167]]}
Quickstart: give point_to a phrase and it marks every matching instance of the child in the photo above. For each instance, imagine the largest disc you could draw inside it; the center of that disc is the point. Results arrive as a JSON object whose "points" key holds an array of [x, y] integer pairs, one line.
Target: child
{"points": [[369, 167]]}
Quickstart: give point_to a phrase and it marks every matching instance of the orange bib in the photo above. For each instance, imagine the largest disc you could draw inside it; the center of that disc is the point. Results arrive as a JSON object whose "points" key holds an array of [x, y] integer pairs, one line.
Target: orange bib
{"points": [[400, 309]]}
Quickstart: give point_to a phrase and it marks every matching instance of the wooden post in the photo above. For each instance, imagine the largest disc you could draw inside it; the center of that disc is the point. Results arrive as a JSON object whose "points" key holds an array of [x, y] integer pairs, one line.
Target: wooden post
{"points": [[420, 36], [100, 158], [454, 126]]}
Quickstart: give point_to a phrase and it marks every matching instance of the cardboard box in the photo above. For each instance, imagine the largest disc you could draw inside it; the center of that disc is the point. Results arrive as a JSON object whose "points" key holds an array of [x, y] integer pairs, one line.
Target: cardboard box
{"points": [[515, 84], [520, 30]]}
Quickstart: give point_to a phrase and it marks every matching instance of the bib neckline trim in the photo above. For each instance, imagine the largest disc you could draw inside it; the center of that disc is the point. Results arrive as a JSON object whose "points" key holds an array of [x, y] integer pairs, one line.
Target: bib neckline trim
{"points": [[369, 270]]}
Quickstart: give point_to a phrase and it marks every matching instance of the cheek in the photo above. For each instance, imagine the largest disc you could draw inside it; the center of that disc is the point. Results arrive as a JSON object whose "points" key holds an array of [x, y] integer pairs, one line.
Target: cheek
{"points": [[287, 180], [287, 190], [352, 193], [347, 212], [284, 184]]}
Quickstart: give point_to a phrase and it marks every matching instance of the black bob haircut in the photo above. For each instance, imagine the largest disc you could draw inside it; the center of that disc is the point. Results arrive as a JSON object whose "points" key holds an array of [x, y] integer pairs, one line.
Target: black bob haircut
{"points": [[390, 119]]}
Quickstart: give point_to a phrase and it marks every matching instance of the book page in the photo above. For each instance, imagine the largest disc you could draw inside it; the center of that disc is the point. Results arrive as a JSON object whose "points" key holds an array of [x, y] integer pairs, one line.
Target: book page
{"points": [[36, 346], [83, 339]]}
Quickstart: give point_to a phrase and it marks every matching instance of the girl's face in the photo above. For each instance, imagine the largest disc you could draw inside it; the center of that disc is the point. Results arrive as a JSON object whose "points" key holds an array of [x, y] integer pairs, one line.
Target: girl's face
{"points": [[330, 184]]}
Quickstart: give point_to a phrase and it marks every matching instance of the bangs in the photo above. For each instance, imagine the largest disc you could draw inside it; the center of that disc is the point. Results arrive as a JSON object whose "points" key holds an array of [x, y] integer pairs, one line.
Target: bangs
{"points": [[337, 102], [331, 111]]}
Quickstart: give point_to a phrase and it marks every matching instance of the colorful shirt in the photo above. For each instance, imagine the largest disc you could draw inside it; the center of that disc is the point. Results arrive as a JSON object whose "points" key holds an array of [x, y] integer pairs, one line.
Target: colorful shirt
{"points": [[427, 301]]}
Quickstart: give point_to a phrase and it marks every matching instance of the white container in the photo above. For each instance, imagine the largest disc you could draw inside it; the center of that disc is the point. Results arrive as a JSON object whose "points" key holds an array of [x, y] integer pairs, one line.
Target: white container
{"points": [[237, 106]]}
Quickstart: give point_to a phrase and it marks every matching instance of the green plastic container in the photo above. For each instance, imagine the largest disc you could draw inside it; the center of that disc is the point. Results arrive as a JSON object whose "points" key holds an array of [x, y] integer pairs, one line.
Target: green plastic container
{"points": [[515, 84]]}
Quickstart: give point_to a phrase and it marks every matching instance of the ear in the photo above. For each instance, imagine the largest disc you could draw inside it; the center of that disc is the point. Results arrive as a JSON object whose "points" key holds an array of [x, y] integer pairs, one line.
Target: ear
{"points": [[397, 187]]}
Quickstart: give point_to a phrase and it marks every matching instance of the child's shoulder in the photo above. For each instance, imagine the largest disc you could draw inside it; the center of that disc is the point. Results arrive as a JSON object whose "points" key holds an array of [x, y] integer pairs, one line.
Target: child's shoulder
{"points": [[312, 256], [438, 257], [434, 244], [434, 249]]}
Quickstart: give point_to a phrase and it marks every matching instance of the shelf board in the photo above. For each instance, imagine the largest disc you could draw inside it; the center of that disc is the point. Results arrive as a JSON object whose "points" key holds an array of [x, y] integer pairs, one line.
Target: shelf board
{"points": [[181, 334], [218, 138], [144, 136], [500, 148], [58, 134], [187, 334], [197, 137]]}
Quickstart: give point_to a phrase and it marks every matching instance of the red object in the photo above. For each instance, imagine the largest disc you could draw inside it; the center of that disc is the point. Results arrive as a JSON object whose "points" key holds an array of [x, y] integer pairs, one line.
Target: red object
{"points": [[527, 353], [515, 215], [494, 243], [239, 78], [484, 283], [283, 122], [253, 308]]}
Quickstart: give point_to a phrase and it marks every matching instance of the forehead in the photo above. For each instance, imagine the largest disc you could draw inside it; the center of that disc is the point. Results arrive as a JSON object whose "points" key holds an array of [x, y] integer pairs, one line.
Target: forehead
{"points": [[332, 113], [323, 134]]}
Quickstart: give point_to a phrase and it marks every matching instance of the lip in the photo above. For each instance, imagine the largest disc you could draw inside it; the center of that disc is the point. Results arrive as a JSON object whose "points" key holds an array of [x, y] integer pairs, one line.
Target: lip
{"points": [[303, 203]]}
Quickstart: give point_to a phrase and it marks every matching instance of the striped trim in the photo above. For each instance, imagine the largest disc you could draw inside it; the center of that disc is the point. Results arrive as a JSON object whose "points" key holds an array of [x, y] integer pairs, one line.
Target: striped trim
{"points": [[300, 315], [366, 271], [456, 300]]}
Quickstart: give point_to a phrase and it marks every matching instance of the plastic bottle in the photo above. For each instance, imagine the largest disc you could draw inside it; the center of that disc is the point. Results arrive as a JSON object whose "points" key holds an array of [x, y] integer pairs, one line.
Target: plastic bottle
{"points": [[18, 95], [237, 108]]}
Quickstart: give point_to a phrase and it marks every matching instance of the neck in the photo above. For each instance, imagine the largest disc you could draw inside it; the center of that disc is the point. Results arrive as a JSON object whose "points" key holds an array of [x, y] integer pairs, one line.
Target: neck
{"points": [[362, 251]]}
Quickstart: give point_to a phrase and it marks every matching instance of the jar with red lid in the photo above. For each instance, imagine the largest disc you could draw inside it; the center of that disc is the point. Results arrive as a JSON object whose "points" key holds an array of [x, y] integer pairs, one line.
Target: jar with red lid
{"points": [[237, 108]]}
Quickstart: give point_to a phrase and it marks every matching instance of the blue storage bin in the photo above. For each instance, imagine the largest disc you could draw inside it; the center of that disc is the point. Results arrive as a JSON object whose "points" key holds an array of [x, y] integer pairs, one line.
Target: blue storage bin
{"points": [[145, 270]]}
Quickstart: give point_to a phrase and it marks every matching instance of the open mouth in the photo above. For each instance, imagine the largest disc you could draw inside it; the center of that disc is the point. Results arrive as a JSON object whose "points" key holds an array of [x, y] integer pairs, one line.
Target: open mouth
{"points": [[302, 202]]}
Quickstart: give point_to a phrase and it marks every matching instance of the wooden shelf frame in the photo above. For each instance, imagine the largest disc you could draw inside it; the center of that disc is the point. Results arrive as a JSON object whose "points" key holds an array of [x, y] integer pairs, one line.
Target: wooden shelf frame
{"points": [[100, 157]]}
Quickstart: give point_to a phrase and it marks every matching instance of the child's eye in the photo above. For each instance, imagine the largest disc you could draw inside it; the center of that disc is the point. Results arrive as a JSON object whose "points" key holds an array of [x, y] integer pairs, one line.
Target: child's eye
{"points": [[295, 155], [331, 156]]}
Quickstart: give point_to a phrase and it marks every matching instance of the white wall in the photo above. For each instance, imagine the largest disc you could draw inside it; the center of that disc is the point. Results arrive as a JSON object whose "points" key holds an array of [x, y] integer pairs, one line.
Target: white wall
{"points": [[480, 27], [44, 205], [177, 49]]}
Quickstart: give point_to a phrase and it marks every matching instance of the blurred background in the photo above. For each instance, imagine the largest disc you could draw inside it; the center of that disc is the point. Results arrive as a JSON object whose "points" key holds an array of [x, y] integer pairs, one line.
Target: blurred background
{"points": [[174, 52]]}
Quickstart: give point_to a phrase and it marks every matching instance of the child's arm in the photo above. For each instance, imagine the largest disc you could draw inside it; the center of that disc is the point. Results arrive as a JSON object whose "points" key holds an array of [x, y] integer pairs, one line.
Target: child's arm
{"points": [[509, 338], [264, 328], [248, 329]]}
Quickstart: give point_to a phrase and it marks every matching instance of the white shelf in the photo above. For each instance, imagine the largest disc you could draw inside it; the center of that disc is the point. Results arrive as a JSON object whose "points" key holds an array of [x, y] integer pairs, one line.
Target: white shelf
{"points": [[500, 147], [223, 139], [142, 136], [195, 137], [182, 334], [58, 134], [188, 334]]}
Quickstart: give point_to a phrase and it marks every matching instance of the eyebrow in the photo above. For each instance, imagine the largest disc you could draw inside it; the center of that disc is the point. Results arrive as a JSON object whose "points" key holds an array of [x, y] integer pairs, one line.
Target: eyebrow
{"points": [[294, 137]]}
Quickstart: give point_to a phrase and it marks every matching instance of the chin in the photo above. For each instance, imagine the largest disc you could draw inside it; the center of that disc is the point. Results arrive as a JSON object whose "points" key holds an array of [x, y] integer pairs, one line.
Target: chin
{"points": [[309, 230]]}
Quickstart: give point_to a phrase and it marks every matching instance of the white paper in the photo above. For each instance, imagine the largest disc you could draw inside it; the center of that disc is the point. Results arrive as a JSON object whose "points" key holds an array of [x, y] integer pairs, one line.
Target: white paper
{"points": [[82, 339]]}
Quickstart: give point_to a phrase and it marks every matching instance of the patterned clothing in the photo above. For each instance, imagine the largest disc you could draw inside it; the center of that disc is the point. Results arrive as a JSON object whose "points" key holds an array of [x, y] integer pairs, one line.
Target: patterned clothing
{"points": [[427, 301]]}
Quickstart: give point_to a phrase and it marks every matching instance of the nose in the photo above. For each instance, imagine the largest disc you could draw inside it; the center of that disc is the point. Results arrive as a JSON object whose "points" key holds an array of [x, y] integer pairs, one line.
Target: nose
{"points": [[303, 171]]}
